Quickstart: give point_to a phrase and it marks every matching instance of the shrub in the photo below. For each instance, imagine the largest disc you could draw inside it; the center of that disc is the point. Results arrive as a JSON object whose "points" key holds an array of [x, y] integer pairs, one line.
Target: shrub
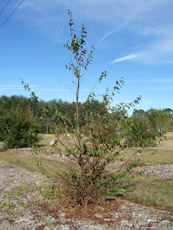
{"points": [[140, 133], [18, 129]]}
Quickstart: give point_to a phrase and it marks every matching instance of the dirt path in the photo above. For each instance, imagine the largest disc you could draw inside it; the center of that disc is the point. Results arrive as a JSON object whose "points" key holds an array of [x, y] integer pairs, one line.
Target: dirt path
{"points": [[21, 211]]}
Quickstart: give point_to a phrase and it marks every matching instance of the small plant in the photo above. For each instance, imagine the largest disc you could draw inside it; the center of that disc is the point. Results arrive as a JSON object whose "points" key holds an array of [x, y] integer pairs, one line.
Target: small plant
{"points": [[18, 191], [49, 191], [7, 205], [47, 223]]}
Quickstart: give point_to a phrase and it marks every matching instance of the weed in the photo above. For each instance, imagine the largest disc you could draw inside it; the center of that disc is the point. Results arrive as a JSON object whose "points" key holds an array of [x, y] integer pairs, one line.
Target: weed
{"points": [[7, 205], [47, 223], [49, 191], [18, 191], [116, 189]]}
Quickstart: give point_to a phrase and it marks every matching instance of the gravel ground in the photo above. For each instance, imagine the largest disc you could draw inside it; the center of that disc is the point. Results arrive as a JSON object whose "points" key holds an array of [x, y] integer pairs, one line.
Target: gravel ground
{"points": [[164, 171], [22, 212]]}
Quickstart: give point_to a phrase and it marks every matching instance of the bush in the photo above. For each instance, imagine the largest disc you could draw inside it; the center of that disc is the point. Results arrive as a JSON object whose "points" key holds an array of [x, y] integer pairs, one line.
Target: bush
{"points": [[140, 133], [18, 129]]}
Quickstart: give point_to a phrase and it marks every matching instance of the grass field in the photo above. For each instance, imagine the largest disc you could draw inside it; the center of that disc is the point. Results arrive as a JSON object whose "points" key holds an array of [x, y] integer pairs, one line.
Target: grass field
{"points": [[168, 140], [154, 156], [158, 192], [164, 155]]}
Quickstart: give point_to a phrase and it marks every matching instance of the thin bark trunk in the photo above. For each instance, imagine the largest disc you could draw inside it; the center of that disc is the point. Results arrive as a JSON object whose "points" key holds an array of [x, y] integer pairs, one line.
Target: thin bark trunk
{"points": [[77, 105], [84, 203], [77, 114]]}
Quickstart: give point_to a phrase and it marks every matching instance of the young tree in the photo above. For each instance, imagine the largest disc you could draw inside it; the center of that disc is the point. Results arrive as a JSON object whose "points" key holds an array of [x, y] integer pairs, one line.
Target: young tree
{"points": [[159, 120], [97, 139]]}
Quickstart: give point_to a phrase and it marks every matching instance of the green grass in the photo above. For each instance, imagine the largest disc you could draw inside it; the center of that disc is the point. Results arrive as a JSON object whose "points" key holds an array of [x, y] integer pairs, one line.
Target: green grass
{"points": [[155, 192], [49, 191], [19, 191], [52, 168], [149, 191]]}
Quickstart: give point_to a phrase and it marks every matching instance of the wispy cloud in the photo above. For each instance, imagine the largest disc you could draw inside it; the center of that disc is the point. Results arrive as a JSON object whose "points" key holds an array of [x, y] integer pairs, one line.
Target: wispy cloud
{"points": [[10, 87], [126, 21], [162, 80], [126, 58], [56, 90], [37, 88], [106, 35], [34, 87], [162, 88], [147, 25], [161, 52], [42, 89], [157, 80]]}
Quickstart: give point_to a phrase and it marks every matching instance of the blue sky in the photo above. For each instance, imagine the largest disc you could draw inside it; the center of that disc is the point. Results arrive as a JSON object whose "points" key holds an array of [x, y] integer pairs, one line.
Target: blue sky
{"points": [[132, 39]]}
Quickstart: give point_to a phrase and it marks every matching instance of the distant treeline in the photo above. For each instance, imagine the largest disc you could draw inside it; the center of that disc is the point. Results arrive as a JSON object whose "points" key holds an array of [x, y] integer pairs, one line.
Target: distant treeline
{"points": [[48, 115]]}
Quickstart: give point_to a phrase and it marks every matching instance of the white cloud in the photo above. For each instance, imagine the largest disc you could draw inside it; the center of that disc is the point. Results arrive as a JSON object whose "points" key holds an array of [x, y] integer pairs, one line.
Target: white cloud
{"points": [[156, 80], [168, 80], [161, 52], [124, 23], [105, 36], [10, 87], [37, 88], [147, 25], [164, 88], [126, 58]]}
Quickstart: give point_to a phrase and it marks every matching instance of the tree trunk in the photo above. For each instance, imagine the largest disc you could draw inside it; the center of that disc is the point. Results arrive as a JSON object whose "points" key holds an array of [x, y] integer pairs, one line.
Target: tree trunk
{"points": [[84, 204]]}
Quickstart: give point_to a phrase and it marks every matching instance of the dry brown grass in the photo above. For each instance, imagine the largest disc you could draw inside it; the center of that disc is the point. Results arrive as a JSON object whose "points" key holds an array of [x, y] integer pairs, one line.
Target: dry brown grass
{"points": [[168, 140]]}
